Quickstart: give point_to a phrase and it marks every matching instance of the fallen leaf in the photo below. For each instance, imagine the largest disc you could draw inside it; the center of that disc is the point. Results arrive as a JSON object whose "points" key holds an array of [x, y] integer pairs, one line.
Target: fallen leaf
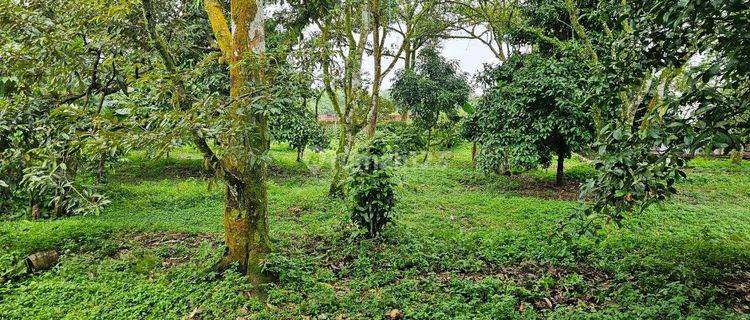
{"points": [[194, 314], [395, 314]]}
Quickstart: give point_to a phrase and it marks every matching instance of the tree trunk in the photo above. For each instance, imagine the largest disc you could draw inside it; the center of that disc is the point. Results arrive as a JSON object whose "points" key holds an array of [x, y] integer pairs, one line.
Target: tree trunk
{"points": [[317, 105], [300, 153], [100, 168], [346, 143], [427, 147], [246, 200], [560, 177], [377, 77], [246, 227], [474, 154], [42, 260]]}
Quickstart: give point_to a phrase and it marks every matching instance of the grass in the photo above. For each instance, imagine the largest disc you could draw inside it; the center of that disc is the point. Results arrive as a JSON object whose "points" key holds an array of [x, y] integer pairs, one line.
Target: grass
{"points": [[463, 246]]}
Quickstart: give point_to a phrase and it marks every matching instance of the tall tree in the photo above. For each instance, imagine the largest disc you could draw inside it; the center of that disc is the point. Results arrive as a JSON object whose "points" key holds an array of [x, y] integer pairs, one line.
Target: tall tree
{"points": [[415, 22], [343, 39], [242, 164], [435, 87]]}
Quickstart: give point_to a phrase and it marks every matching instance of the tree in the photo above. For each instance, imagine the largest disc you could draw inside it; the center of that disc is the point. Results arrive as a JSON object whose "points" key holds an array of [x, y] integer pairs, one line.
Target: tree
{"points": [[420, 23], [231, 132], [242, 127], [341, 54], [470, 131], [663, 81], [434, 88], [531, 113], [62, 78], [490, 22], [300, 129]]}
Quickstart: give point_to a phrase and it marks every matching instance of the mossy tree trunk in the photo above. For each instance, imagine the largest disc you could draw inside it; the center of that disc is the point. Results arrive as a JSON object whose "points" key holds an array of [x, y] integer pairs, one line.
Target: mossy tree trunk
{"points": [[246, 227], [246, 199], [474, 154], [343, 153], [350, 84]]}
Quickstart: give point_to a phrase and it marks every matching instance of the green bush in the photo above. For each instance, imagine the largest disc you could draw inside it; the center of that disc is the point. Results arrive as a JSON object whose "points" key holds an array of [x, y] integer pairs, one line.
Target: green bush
{"points": [[371, 188], [447, 134], [402, 139]]}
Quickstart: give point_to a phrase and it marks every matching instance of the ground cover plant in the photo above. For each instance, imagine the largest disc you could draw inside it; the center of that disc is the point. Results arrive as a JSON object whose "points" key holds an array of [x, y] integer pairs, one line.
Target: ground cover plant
{"points": [[243, 159], [463, 246]]}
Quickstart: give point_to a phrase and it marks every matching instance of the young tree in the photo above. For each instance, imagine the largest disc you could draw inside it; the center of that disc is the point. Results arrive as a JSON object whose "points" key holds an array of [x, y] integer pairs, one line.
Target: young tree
{"points": [[470, 131], [343, 38], [530, 113], [300, 129], [434, 88], [420, 22]]}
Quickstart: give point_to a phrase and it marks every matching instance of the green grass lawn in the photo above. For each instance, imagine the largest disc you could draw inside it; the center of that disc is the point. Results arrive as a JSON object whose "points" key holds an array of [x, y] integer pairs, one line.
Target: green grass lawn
{"points": [[463, 246]]}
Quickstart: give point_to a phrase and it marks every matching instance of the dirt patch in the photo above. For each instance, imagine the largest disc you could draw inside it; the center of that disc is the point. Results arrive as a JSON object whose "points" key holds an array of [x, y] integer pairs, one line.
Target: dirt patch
{"points": [[737, 289], [527, 186], [158, 239], [562, 286], [167, 242]]}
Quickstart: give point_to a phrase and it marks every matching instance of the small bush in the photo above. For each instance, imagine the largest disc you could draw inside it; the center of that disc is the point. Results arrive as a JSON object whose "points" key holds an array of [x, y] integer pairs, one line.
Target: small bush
{"points": [[447, 134], [402, 139], [371, 188]]}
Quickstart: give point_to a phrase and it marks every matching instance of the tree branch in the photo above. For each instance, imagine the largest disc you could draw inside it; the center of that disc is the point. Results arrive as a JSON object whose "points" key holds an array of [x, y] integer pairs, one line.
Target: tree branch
{"points": [[220, 27]]}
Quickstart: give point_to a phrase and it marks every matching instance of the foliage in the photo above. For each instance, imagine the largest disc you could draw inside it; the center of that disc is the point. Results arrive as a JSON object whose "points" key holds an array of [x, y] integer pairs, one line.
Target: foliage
{"points": [[678, 90], [680, 260], [65, 64], [435, 87], [469, 125], [531, 112], [432, 89], [447, 133], [294, 123], [371, 189], [403, 140]]}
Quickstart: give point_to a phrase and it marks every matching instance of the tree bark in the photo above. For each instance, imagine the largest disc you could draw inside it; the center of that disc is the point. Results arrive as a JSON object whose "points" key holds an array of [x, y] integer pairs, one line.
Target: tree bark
{"points": [[101, 166], [474, 154], [427, 147], [300, 153], [346, 143], [246, 200], [246, 228], [377, 77], [560, 177]]}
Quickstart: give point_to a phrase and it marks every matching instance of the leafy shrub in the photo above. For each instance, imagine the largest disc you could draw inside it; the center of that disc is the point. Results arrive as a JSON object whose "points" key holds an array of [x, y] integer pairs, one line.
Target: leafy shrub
{"points": [[447, 134], [402, 139], [371, 188], [44, 151]]}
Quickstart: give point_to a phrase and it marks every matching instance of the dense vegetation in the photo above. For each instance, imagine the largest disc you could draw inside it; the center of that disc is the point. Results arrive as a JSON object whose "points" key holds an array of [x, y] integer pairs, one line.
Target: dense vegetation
{"points": [[463, 245], [153, 159]]}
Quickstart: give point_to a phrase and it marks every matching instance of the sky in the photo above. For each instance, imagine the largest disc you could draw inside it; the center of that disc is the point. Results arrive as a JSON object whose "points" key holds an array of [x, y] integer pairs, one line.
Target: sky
{"points": [[470, 54]]}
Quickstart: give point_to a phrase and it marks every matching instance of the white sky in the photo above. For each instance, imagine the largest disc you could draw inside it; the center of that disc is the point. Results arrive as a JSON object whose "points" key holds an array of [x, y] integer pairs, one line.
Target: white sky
{"points": [[470, 54]]}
